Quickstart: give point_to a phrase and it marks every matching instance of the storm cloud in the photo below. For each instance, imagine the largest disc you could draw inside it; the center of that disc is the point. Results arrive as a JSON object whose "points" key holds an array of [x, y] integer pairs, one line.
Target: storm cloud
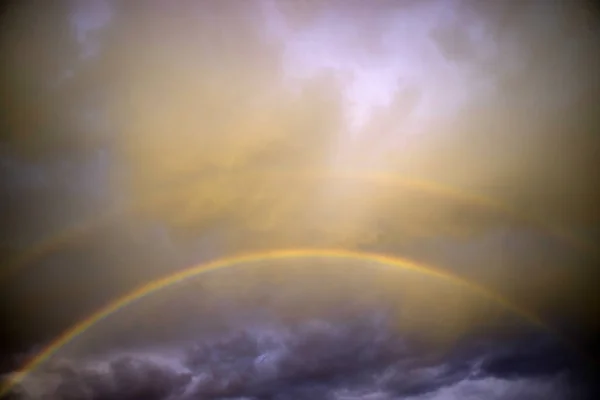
{"points": [[362, 359]]}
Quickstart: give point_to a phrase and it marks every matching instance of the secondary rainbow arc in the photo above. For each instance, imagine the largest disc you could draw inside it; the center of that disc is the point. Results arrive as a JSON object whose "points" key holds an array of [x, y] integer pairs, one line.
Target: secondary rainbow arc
{"points": [[71, 234]]}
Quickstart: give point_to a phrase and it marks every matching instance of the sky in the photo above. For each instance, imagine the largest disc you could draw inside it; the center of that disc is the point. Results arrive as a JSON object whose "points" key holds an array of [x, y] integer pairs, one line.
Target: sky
{"points": [[317, 359], [180, 139], [410, 57], [410, 54]]}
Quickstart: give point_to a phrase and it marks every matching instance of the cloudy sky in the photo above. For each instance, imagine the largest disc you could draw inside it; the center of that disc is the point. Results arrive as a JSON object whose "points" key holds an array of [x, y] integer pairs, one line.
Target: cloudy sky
{"points": [[139, 140], [361, 359]]}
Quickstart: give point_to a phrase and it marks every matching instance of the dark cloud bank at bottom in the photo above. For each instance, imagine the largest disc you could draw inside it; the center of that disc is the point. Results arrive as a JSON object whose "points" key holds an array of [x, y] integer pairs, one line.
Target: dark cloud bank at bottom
{"points": [[318, 359]]}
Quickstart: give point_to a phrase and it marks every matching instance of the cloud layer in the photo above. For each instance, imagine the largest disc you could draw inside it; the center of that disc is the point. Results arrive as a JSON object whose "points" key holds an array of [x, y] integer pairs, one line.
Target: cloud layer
{"points": [[315, 359]]}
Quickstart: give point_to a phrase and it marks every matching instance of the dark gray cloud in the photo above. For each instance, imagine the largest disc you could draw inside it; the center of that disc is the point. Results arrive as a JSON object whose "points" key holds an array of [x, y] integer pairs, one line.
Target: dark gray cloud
{"points": [[317, 359], [454, 43]]}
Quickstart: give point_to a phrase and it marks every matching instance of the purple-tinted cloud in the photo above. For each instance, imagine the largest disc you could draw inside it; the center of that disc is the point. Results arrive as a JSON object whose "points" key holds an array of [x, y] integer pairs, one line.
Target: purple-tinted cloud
{"points": [[363, 359]]}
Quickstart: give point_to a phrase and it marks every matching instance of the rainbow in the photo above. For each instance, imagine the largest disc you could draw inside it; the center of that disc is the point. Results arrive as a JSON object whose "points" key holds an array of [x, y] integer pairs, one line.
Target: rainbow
{"points": [[252, 258], [452, 193], [56, 242], [71, 234]]}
